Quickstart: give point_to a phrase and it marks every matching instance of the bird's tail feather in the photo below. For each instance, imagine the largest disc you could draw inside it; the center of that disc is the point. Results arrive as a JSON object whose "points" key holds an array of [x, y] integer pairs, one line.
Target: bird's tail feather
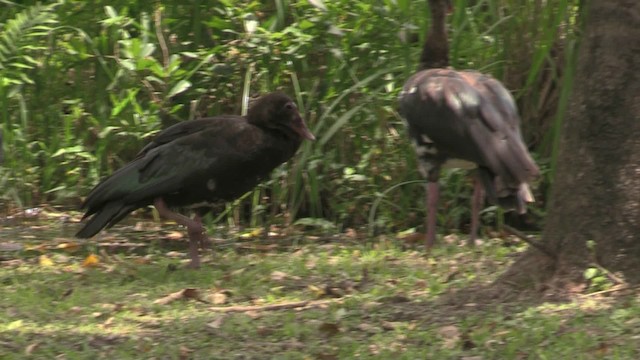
{"points": [[107, 216]]}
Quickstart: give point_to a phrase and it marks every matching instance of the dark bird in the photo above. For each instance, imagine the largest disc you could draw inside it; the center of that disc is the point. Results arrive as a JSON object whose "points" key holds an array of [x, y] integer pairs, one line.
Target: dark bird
{"points": [[197, 163], [464, 115]]}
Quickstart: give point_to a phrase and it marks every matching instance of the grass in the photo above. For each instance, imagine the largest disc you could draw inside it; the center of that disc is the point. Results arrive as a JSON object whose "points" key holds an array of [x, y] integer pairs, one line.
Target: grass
{"points": [[371, 298]]}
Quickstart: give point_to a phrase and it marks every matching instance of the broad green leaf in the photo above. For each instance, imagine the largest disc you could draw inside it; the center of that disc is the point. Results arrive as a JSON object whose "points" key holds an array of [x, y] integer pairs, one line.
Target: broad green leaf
{"points": [[181, 86]]}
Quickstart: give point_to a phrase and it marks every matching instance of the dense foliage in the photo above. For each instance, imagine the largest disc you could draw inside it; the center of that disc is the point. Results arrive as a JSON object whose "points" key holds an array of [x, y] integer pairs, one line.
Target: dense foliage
{"points": [[84, 84]]}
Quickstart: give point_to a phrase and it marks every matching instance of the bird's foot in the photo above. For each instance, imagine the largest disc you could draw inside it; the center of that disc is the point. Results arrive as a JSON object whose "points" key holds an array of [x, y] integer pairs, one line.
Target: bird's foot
{"points": [[197, 240]]}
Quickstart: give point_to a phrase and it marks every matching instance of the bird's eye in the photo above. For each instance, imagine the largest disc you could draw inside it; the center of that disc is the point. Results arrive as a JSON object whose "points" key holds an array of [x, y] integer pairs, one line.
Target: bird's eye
{"points": [[289, 106]]}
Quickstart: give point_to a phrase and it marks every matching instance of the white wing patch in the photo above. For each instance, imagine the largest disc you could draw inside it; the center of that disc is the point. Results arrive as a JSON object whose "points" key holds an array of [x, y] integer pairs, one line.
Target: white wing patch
{"points": [[423, 150]]}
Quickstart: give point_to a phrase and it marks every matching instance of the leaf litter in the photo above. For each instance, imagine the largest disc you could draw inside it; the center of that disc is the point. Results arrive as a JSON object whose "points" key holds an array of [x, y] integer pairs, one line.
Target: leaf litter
{"points": [[313, 296]]}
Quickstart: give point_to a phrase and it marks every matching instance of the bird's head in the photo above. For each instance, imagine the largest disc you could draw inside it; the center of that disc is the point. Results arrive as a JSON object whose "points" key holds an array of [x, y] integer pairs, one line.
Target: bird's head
{"points": [[277, 111]]}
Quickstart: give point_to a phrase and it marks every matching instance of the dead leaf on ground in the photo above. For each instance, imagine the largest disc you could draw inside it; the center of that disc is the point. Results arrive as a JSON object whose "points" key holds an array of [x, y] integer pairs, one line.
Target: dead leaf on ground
{"points": [[351, 233], [368, 328], [451, 336], [91, 261], [11, 246], [252, 234], [174, 235], [389, 325], [329, 329], [317, 291], [12, 263], [311, 263], [185, 352], [30, 348], [75, 310], [107, 323], [45, 261], [253, 314], [217, 322], [412, 238], [184, 294], [279, 276], [175, 254], [220, 297], [69, 246]]}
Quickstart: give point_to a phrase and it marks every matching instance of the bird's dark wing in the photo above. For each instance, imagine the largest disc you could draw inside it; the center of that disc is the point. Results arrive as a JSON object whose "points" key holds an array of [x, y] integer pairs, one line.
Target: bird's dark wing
{"points": [[469, 116], [169, 167], [182, 129]]}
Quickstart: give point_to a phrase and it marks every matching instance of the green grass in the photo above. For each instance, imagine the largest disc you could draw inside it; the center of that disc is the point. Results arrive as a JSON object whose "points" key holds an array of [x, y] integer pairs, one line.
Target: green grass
{"points": [[368, 299]]}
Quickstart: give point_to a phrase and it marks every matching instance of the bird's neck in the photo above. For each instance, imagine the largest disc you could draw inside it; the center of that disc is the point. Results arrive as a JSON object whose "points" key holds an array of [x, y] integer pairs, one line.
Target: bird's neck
{"points": [[435, 52]]}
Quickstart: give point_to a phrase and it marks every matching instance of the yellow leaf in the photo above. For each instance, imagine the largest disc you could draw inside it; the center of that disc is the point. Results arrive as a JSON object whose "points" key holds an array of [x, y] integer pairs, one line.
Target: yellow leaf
{"points": [[252, 234], [68, 246], [44, 260], [175, 235], [318, 292], [91, 260]]}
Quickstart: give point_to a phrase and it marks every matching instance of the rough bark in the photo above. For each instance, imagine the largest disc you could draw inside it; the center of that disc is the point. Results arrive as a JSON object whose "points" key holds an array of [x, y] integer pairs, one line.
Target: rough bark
{"points": [[596, 191]]}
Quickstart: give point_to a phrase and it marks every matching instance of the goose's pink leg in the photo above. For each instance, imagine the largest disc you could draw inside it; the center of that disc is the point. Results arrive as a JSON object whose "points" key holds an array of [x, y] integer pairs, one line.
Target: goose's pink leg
{"points": [[197, 236]]}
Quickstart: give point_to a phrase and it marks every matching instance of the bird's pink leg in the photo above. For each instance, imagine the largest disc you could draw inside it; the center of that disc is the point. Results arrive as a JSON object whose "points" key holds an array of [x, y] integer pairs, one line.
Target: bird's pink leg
{"points": [[476, 204], [433, 193], [194, 227], [204, 240]]}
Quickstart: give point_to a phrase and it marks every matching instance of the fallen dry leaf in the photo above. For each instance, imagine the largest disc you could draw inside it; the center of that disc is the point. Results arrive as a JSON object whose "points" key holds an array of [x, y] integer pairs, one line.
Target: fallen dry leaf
{"points": [[175, 254], [412, 238], [252, 234], [69, 246], [278, 275], [75, 310], [389, 325], [107, 323], [10, 246], [219, 298], [184, 294], [185, 352], [30, 348], [174, 235], [217, 322], [368, 328], [329, 329], [317, 291], [264, 330], [91, 261], [351, 233], [45, 261], [450, 334]]}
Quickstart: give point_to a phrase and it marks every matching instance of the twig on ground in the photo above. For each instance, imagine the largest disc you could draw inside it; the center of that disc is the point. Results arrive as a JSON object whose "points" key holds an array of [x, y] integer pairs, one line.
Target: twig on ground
{"points": [[611, 275], [529, 240], [272, 307], [616, 288]]}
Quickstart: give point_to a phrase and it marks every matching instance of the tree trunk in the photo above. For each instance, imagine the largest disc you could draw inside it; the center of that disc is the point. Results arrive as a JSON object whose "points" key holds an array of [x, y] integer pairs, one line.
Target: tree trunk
{"points": [[596, 191]]}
